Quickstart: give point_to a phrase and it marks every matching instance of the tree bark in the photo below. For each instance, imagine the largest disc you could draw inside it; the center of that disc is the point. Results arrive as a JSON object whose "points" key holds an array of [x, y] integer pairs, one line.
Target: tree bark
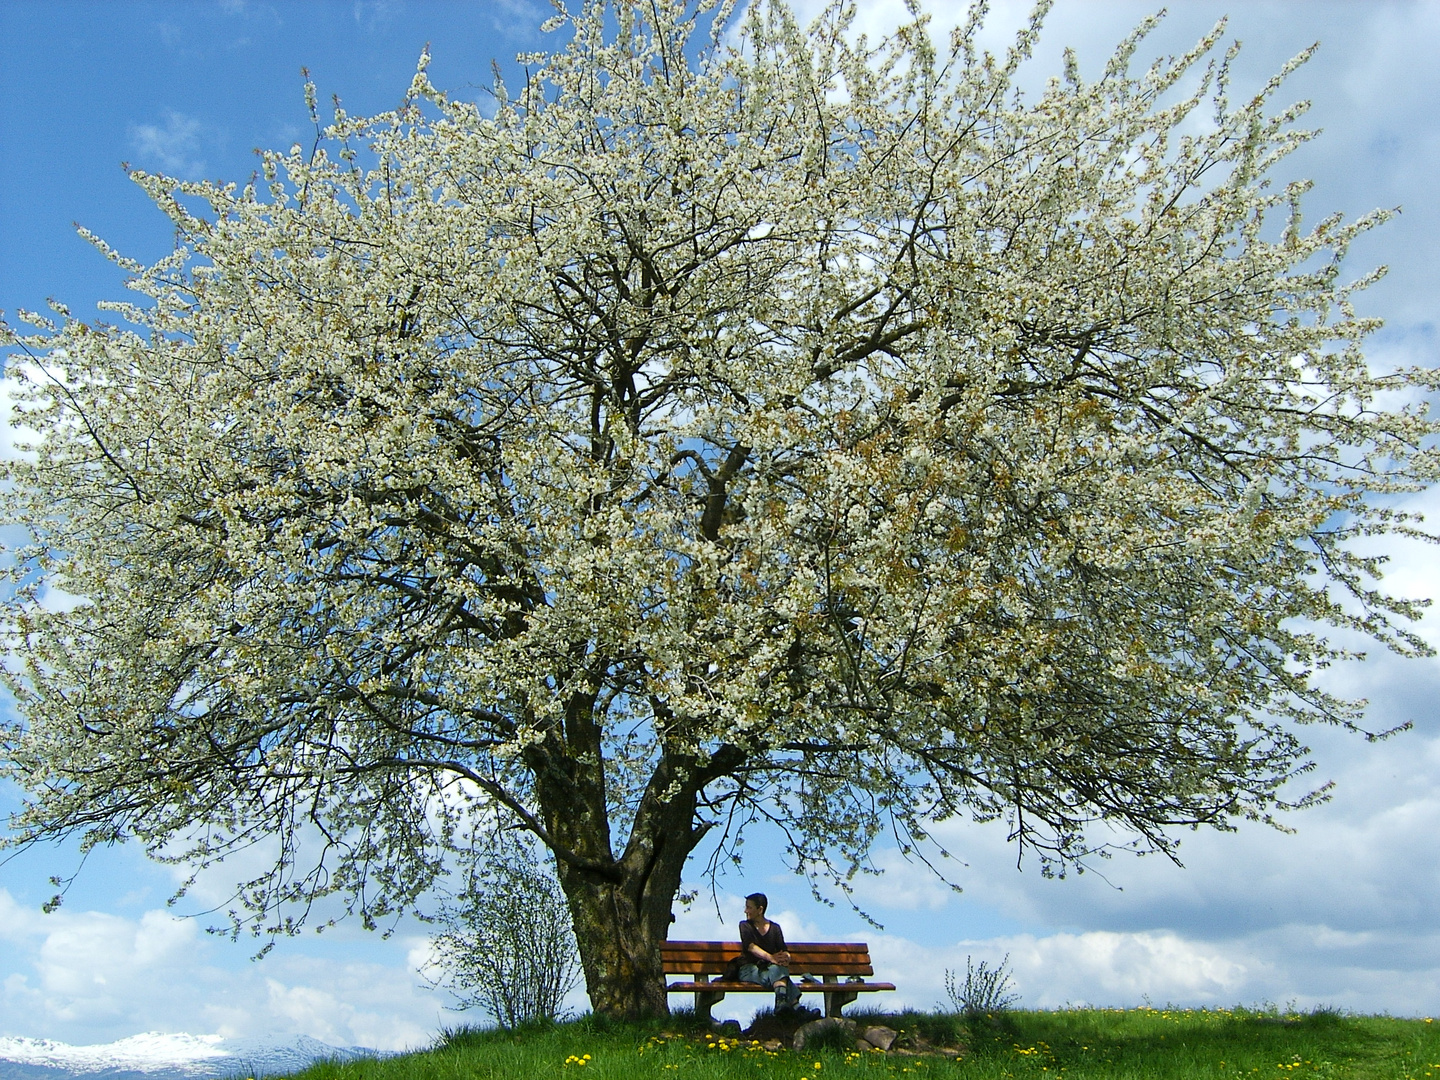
{"points": [[621, 907], [619, 952]]}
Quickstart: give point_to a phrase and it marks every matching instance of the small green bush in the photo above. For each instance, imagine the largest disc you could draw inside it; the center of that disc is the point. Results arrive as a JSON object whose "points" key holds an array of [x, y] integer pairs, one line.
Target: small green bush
{"points": [[985, 992]]}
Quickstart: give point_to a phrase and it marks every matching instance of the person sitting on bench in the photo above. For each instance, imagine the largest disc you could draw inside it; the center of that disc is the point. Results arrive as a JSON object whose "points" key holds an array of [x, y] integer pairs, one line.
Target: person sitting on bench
{"points": [[764, 959]]}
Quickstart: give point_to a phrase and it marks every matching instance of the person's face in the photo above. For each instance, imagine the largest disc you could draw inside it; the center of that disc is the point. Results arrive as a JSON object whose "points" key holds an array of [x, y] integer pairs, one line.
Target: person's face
{"points": [[753, 911]]}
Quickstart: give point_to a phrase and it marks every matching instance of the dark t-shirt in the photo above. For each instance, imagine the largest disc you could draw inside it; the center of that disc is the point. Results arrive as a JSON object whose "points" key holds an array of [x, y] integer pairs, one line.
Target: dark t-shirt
{"points": [[772, 941]]}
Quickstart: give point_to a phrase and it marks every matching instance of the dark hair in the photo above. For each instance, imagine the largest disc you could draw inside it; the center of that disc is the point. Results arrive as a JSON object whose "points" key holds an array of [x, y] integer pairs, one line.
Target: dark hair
{"points": [[758, 899]]}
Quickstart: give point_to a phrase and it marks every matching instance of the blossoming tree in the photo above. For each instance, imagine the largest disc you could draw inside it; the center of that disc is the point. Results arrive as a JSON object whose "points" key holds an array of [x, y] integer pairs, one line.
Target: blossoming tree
{"points": [[764, 426]]}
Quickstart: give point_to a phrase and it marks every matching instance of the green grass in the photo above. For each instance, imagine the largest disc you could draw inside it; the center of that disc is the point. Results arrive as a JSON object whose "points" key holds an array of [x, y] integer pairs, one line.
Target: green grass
{"points": [[1141, 1044]]}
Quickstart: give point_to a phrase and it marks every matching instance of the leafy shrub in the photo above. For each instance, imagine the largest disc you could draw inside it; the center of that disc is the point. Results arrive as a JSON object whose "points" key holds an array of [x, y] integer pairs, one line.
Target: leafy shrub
{"points": [[507, 945], [986, 990]]}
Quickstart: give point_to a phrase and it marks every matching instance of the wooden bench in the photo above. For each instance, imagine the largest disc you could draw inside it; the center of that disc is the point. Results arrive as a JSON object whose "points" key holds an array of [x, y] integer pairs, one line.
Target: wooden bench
{"points": [[828, 962]]}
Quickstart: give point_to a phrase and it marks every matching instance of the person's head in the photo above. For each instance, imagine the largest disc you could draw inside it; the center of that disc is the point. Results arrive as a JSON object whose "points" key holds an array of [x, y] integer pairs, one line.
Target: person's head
{"points": [[755, 905]]}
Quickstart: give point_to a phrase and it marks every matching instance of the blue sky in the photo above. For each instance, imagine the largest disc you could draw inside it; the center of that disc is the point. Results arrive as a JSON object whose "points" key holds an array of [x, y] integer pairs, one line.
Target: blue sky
{"points": [[1346, 911]]}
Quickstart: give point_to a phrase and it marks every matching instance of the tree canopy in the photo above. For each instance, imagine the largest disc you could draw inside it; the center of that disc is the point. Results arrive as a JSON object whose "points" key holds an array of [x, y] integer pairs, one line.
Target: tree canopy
{"points": [[734, 423]]}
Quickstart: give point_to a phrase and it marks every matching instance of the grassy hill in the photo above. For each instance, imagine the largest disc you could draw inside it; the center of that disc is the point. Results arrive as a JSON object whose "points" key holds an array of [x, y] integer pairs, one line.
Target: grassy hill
{"points": [[1140, 1044]]}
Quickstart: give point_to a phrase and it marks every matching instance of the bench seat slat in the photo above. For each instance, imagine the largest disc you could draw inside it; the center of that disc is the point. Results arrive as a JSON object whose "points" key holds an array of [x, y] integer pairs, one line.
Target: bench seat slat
{"points": [[728, 946], [796, 970], [755, 988], [797, 956]]}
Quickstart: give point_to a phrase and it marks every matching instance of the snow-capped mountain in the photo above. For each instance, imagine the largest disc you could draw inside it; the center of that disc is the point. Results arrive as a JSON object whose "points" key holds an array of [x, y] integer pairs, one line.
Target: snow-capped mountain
{"points": [[156, 1056]]}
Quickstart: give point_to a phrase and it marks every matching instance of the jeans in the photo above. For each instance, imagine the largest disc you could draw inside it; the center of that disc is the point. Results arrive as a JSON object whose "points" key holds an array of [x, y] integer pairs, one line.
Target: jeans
{"points": [[786, 992]]}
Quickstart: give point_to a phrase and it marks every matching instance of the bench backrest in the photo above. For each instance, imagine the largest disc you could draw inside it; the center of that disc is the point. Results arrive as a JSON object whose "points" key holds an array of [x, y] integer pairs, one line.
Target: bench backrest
{"points": [[806, 957]]}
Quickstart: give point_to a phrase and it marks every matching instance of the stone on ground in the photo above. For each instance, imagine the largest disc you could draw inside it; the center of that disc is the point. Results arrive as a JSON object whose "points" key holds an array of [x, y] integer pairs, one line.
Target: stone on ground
{"points": [[818, 1028]]}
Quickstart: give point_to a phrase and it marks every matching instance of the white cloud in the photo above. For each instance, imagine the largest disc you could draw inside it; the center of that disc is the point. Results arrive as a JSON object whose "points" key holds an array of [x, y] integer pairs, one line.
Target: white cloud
{"points": [[354, 1004], [250, 9], [375, 15], [172, 147], [904, 884], [1120, 968], [1353, 864], [1050, 971], [1309, 965], [522, 16], [88, 965], [90, 976]]}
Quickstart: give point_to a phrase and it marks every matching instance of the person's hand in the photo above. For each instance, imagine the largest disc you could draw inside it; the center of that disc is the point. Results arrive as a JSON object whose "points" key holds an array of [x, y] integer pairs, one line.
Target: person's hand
{"points": [[782, 958]]}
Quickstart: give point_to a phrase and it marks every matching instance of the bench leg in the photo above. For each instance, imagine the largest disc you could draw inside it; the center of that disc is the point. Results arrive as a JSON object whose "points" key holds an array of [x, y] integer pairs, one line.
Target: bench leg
{"points": [[837, 999], [704, 1000]]}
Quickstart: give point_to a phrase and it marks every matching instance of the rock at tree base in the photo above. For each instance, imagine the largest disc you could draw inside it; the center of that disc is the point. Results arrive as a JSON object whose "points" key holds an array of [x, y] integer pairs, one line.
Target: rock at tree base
{"points": [[880, 1037], [816, 1029]]}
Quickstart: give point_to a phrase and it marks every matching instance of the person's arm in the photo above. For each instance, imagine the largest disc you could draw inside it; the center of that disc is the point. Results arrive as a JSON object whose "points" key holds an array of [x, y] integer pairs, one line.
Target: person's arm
{"points": [[780, 955], [750, 946]]}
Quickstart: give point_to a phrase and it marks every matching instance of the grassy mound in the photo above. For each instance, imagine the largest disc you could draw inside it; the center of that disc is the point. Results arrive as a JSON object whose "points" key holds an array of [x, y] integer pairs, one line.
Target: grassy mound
{"points": [[1134, 1044]]}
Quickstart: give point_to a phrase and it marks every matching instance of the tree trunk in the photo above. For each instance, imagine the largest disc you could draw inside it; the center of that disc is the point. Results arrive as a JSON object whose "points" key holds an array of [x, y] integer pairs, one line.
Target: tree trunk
{"points": [[619, 952], [621, 907]]}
